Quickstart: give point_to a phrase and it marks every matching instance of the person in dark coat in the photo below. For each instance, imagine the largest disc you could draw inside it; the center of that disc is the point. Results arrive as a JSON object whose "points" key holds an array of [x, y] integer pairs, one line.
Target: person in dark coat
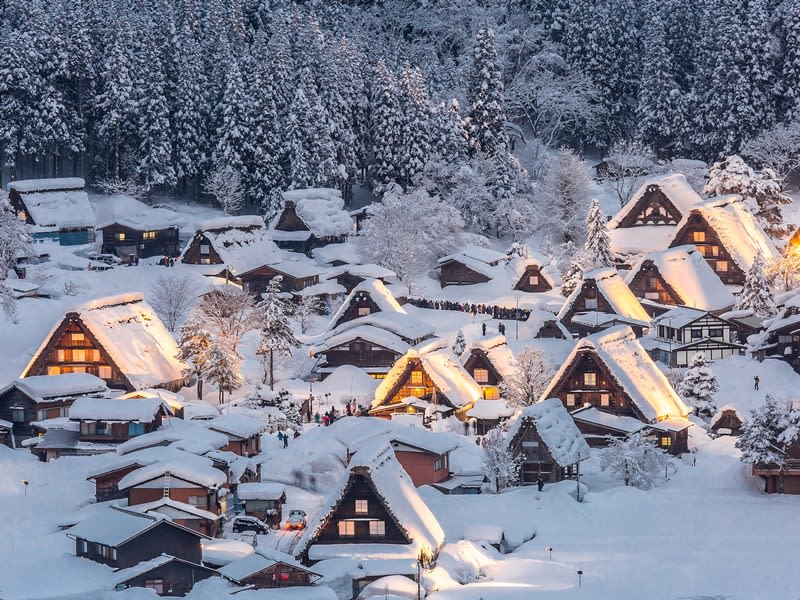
{"points": [[286, 440], [539, 484], [483, 328], [756, 380]]}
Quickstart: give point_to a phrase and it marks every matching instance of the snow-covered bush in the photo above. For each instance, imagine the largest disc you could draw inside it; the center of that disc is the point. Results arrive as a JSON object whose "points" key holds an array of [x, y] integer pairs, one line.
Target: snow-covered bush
{"points": [[499, 463], [756, 295], [636, 461], [276, 330], [769, 433], [698, 386]]}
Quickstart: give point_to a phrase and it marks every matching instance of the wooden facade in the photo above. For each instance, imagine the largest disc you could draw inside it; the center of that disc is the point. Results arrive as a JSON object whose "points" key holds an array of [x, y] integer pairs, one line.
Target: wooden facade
{"points": [[785, 479], [589, 299], [243, 446], [536, 462], [697, 231], [178, 489], [363, 354], [727, 423], [413, 382], [289, 220], [255, 281], [484, 373], [106, 485], [532, 280], [453, 272], [713, 336], [21, 410], [65, 236], [423, 466], [649, 284], [550, 330], [126, 241], [116, 432], [361, 517], [782, 342], [652, 208], [360, 305], [73, 348], [279, 575], [163, 538], [201, 251], [174, 578]]}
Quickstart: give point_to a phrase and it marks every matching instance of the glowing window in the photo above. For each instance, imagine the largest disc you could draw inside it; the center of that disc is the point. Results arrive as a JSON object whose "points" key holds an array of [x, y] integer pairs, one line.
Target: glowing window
{"points": [[363, 311], [491, 393], [104, 372], [120, 236], [481, 375], [722, 266], [79, 355], [698, 236], [77, 338], [590, 378], [651, 295], [665, 441], [362, 507], [377, 529], [54, 370], [533, 280], [416, 377], [61, 356], [149, 235], [570, 399], [347, 528], [605, 399]]}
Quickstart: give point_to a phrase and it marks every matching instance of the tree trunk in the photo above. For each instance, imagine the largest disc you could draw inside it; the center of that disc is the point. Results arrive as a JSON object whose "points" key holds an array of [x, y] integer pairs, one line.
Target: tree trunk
{"points": [[271, 371], [199, 388]]}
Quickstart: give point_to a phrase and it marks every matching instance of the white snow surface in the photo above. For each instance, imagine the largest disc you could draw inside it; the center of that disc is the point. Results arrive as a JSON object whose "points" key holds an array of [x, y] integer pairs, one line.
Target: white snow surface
{"points": [[142, 410], [129, 212], [24, 186], [45, 388], [321, 209], [56, 202], [113, 526]]}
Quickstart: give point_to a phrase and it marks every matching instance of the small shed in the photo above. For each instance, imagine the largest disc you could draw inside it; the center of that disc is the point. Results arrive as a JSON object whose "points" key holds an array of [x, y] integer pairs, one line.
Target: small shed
{"points": [[268, 569], [57, 209], [727, 421], [263, 500], [166, 575]]}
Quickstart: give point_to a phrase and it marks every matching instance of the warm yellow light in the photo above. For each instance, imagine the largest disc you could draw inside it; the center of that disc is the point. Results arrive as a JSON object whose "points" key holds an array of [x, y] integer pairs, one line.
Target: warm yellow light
{"points": [[795, 239]]}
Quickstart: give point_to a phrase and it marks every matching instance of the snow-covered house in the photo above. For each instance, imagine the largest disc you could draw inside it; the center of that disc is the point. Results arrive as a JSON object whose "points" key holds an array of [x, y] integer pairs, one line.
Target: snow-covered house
{"points": [[612, 372], [677, 276], [727, 421], [119, 339], [532, 272], [472, 264], [374, 513], [263, 500], [423, 454], [543, 324], [58, 209], [781, 337], [487, 358], [243, 433], [231, 243], [367, 347], [548, 443], [602, 300], [106, 420], [349, 276], [680, 333], [297, 276], [122, 538], [133, 229], [165, 575], [427, 379], [648, 220], [726, 233], [190, 516], [368, 297], [267, 569], [310, 218], [24, 401]]}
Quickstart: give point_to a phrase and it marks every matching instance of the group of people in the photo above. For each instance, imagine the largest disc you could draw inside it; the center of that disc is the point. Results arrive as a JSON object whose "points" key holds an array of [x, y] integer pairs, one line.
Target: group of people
{"points": [[167, 261], [497, 312]]}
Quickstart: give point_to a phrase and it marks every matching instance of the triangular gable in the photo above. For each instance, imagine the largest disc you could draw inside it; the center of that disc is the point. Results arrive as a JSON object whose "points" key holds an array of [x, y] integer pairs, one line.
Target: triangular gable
{"points": [[612, 296], [660, 201], [554, 428], [289, 220], [639, 283]]}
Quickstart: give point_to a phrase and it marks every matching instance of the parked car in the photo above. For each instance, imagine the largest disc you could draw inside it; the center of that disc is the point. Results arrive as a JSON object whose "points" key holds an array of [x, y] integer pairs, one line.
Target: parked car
{"points": [[245, 523], [109, 259], [296, 519], [96, 265]]}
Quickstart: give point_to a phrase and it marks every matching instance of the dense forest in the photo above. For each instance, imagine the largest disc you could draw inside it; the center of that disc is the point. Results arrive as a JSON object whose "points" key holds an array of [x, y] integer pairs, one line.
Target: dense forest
{"points": [[166, 93]]}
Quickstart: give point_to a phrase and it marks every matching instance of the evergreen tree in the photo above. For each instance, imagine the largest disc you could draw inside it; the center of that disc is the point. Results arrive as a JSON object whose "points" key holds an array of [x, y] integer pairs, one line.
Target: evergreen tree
{"points": [[194, 341], [485, 94], [698, 387], [300, 166], [276, 330], [460, 344], [224, 369], [15, 240], [414, 147], [573, 277], [115, 104], [565, 195], [81, 72], [756, 295], [790, 71], [450, 140], [769, 433], [232, 131], [597, 247], [386, 125]]}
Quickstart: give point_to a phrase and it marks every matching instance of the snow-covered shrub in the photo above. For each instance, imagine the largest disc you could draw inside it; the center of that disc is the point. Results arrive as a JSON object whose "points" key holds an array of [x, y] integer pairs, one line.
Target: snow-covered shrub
{"points": [[769, 433], [636, 461], [499, 463], [698, 386]]}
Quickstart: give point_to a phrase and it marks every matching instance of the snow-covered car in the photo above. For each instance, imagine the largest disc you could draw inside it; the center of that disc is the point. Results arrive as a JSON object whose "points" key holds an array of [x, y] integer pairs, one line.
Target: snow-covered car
{"points": [[246, 523], [296, 519], [109, 259], [95, 265]]}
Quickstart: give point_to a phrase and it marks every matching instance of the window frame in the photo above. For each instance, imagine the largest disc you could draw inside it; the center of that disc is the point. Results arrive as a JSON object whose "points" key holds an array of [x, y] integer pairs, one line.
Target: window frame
{"points": [[361, 506]]}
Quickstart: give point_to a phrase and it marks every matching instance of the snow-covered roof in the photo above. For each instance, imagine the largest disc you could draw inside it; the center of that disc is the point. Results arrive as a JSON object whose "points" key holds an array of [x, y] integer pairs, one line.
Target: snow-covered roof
{"points": [[219, 551], [243, 568], [237, 425], [445, 370], [260, 491], [608, 420], [368, 271], [539, 318], [56, 202], [737, 228], [128, 328], [142, 410], [401, 499], [518, 264], [321, 209], [191, 436], [129, 212], [241, 242], [627, 241], [688, 273], [490, 410], [402, 325], [422, 438], [723, 409], [616, 292], [377, 292], [188, 467], [633, 369], [374, 335], [174, 509], [674, 186], [558, 431], [679, 317], [46, 388], [115, 526], [472, 254]]}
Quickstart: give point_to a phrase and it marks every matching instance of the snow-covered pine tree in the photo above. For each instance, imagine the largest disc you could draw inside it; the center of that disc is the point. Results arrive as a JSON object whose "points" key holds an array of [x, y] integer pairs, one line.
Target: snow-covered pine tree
{"points": [[698, 387], [565, 195], [232, 131], [451, 139], [415, 146], [769, 432], [386, 124], [487, 115], [635, 461], [460, 344], [300, 167], [756, 295], [194, 341], [573, 276], [223, 369], [759, 65], [528, 380], [499, 463], [316, 136], [291, 411], [276, 330], [734, 176], [15, 240], [115, 105], [597, 247], [660, 113], [790, 70]]}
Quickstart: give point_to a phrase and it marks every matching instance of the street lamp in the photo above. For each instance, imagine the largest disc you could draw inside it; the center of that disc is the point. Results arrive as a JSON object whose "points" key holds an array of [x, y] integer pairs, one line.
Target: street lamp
{"points": [[549, 551], [25, 482], [580, 578]]}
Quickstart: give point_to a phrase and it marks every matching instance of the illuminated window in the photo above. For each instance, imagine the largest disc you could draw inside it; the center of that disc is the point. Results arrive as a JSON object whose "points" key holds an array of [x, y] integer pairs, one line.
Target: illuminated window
{"points": [[54, 370], [722, 266], [698, 236], [590, 378], [149, 235], [665, 441], [652, 283], [714, 250], [417, 392], [533, 280], [491, 393], [104, 372], [591, 303], [570, 399], [120, 236], [362, 507], [205, 261], [77, 338], [481, 375], [93, 355], [363, 311], [651, 295], [205, 249], [416, 377], [378, 375], [60, 356], [347, 528], [79, 355], [377, 529], [605, 399]]}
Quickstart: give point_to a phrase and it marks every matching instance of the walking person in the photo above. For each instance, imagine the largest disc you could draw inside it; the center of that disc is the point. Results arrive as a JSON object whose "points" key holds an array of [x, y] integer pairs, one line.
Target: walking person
{"points": [[756, 380]]}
